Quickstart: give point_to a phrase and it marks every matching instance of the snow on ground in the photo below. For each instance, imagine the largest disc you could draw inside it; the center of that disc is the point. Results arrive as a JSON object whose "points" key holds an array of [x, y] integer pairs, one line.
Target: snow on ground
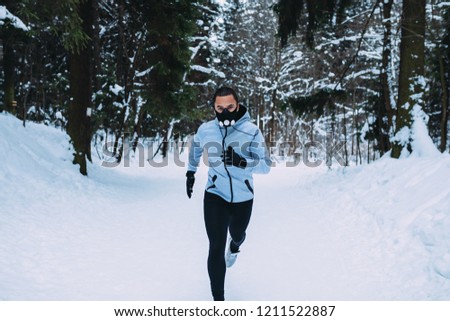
{"points": [[373, 232]]}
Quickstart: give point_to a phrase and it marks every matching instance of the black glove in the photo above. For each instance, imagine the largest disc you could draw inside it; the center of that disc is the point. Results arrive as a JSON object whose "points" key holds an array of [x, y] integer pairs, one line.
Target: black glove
{"points": [[231, 158], [190, 179]]}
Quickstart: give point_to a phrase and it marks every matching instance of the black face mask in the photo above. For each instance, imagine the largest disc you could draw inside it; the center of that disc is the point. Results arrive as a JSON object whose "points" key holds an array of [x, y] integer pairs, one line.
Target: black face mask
{"points": [[227, 118]]}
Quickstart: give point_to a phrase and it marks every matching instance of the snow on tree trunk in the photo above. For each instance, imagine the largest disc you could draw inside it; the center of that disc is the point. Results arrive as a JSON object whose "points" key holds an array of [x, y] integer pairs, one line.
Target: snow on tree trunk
{"points": [[444, 109], [422, 144]]}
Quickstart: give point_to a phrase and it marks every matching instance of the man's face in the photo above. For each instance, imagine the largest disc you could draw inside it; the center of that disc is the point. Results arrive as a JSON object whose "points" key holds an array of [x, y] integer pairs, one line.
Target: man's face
{"points": [[225, 102]]}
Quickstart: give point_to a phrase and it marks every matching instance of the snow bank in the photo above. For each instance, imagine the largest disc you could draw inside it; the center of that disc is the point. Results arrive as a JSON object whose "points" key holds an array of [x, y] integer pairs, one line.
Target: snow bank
{"points": [[407, 201], [34, 151], [373, 232]]}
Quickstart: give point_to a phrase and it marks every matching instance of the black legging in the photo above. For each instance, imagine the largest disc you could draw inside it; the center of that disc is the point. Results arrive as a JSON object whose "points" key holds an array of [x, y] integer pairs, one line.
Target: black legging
{"points": [[219, 217]]}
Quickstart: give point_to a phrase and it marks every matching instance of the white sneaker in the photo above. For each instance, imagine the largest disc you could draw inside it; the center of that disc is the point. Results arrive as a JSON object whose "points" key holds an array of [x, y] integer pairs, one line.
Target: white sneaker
{"points": [[230, 257]]}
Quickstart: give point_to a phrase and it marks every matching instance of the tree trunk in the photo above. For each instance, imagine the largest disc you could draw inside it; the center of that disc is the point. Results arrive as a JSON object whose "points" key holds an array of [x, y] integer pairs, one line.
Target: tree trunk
{"points": [[8, 71], [412, 53], [384, 79], [345, 136], [80, 66], [444, 113], [9, 62], [122, 71], [96, 56]]}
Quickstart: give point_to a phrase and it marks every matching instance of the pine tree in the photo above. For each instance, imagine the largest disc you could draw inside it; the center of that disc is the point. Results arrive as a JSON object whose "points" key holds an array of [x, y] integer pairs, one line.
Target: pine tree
{"points": [[10, 35], [71, 21]]}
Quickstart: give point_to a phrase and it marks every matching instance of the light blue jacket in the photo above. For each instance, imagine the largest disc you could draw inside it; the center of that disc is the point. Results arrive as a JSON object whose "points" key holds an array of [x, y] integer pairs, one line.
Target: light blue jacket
{"points": [[232, 183]]}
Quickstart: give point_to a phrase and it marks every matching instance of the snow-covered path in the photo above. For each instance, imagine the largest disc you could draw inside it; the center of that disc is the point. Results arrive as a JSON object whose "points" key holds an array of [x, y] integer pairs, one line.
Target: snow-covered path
{"points": [[141, 238], [314, 243], [375, 232]]}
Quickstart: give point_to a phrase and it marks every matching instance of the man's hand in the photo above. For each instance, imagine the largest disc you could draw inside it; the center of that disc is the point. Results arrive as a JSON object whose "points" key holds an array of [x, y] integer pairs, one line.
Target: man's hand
{"points": [[231, 158], [190, 179]]}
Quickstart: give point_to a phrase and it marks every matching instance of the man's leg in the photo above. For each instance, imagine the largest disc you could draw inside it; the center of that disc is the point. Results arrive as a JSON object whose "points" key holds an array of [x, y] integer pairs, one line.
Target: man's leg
{"points": [[240, 218], [216, 214]]}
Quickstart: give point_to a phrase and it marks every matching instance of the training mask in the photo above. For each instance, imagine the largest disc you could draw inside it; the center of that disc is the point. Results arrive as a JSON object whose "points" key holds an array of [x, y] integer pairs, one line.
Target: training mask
{"points": [[226, 118]]}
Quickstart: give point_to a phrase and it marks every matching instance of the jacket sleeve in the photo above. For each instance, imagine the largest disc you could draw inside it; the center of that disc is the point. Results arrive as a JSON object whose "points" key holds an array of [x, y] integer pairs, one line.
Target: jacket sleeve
{"points": [[195, 152], [259, 160]]}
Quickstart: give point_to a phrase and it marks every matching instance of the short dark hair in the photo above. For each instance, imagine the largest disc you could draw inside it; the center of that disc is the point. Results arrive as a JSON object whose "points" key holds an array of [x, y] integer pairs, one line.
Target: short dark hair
{"points": [[225, 91]]}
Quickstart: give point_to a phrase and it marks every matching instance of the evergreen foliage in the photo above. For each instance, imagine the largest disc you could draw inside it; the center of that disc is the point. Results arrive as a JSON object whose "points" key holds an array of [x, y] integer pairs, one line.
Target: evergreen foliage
{"points": [[316, 104], [319, 13], [155, 65]]}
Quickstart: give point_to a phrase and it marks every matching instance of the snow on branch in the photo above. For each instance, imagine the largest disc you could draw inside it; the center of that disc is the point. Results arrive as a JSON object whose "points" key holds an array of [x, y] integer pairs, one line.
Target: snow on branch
{"points": [[5, 16], [208, 71]]}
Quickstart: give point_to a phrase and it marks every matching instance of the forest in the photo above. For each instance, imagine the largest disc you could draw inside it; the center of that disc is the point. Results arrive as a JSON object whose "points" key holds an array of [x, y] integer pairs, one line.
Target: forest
{"points": [[316, 76]]}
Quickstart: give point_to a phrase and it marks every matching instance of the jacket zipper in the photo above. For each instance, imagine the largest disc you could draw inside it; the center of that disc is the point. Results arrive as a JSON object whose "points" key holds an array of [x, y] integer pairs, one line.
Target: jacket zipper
{"points": [[225, 165]]}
